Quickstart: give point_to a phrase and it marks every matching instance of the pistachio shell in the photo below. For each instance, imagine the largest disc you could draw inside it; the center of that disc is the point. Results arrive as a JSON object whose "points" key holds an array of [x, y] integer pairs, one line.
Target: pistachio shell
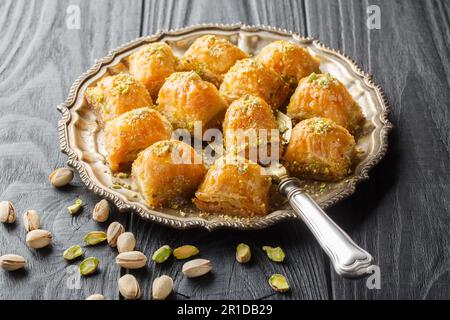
{"points": [[131, 260], [162, 254], [185, 252], [89, 265], [61, 177], [94, 237], [126, 242], [31, 220], [7, 212], [162, 287], [38, 238], [115, 229], [101, 211], [129, 287], [96, 296], [196, 268], [12, 262]]}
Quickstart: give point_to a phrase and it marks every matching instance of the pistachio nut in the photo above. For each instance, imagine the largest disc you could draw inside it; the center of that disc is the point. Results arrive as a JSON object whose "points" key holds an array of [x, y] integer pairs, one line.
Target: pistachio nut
{"points": [[60, 177], [278, 283], [38, 238], [96, 296], [129, 287], [7, 212], [126, 242], [12, 262], [185, 252], [89, 265], [75, 208], [162, 254], [31, 220], [94, 237], [243, 253], [196, 268], [101, 211], [131, 260], [274, 254], [162, 287], [73, 252], [115, 229]]}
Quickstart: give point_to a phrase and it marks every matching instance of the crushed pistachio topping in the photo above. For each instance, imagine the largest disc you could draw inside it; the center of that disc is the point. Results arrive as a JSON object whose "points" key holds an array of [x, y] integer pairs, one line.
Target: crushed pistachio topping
{"points": [[312, 77], [122, 84], [320, 125]]}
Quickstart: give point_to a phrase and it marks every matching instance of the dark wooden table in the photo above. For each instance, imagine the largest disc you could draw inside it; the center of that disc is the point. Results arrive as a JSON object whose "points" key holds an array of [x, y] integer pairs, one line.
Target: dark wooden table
{"points": [[401, 215]]}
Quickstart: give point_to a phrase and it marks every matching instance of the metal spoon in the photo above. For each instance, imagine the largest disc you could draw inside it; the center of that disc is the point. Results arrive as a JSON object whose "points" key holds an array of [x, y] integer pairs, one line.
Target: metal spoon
{"points": [[348, 259]]}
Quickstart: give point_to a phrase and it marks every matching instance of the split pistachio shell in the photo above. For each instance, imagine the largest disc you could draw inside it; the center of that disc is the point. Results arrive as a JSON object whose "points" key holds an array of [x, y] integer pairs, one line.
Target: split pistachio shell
{"points": [[11, 262], [129, 287], [162, 254], [278, 283], [126, 242], [89, 265], [185, 252], [94, 237], [162, 287], [274, 254], [131, 260], [243, 253], [38, 238], [7, 212], [61, 177], [31, 220], [96, 296], [101, 211], [115, 229], [196, 268], [73, 252]]}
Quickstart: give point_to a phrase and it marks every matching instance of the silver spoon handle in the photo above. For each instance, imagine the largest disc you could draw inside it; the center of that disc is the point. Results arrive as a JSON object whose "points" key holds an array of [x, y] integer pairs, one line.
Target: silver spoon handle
{"points": [[348, 258]]}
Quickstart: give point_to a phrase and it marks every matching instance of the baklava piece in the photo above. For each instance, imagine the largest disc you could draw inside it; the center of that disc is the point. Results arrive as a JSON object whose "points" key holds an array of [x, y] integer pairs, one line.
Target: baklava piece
{"points": [[211, 57], [151, 65], [168, 173], [248, 76], [115, 95], [132, 132], [251, 130], [288, 59], [186, 98], [321, 95], [320, 149], [234, 186]]}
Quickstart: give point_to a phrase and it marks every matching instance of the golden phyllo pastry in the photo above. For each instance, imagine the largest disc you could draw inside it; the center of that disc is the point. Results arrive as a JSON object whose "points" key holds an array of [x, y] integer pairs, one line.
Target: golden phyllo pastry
{"points": [[321, 95], [234, 186], [211, 57], [248, 76], [152, 65], [288, 59], [115, 95], [132, 132], [186, 98], [168, 173], [320, 149], [250, 129]]}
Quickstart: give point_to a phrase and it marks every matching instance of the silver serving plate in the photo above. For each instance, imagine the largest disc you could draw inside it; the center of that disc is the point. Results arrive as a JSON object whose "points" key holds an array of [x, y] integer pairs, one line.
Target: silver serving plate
{"points": [[82, 140]]}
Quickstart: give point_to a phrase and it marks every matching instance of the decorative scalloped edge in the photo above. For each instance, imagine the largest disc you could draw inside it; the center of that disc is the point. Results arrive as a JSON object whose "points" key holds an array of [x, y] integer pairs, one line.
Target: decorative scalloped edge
{"points": [[176, 222]]}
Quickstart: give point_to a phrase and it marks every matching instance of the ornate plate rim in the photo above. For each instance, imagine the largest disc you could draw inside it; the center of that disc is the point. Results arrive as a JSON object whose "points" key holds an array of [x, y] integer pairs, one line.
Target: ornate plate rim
{"points": [[175, 222]]}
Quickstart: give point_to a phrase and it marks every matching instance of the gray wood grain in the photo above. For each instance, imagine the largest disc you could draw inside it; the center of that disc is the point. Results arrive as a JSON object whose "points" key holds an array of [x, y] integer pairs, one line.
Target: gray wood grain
{"points": [[305, 266], [39, 59], [401, 213]]}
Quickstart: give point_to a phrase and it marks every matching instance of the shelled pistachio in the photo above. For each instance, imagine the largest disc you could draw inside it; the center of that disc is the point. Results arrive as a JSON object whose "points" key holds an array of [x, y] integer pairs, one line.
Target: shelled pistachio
{"points": [[274, 254], [278, 283], [243, 253], [185, 252], [94, 237], [73, 252], [162, 254], [89, 266]]}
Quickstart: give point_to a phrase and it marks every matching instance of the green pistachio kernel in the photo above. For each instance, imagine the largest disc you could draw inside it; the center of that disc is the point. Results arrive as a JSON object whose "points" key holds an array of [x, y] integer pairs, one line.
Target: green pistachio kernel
{"points": [[162, 254], [73, 252], [274, 254]]}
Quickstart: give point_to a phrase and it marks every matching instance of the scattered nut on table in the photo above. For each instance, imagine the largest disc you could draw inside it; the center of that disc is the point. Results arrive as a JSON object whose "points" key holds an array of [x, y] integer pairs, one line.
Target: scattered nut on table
{"points": [[129, 287], [131, 260], [196, 268], [126, 242], [115, 229], [38, 238], [61, 177], [96, 296], [12, 262], [7, 212], [31, 220], [101, 211], [162, 287]]}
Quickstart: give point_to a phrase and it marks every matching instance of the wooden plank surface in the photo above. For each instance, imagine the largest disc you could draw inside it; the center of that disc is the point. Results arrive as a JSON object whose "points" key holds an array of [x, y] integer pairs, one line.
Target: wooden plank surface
{"points": [[401, 213], [304, 266], [39, 59]]}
